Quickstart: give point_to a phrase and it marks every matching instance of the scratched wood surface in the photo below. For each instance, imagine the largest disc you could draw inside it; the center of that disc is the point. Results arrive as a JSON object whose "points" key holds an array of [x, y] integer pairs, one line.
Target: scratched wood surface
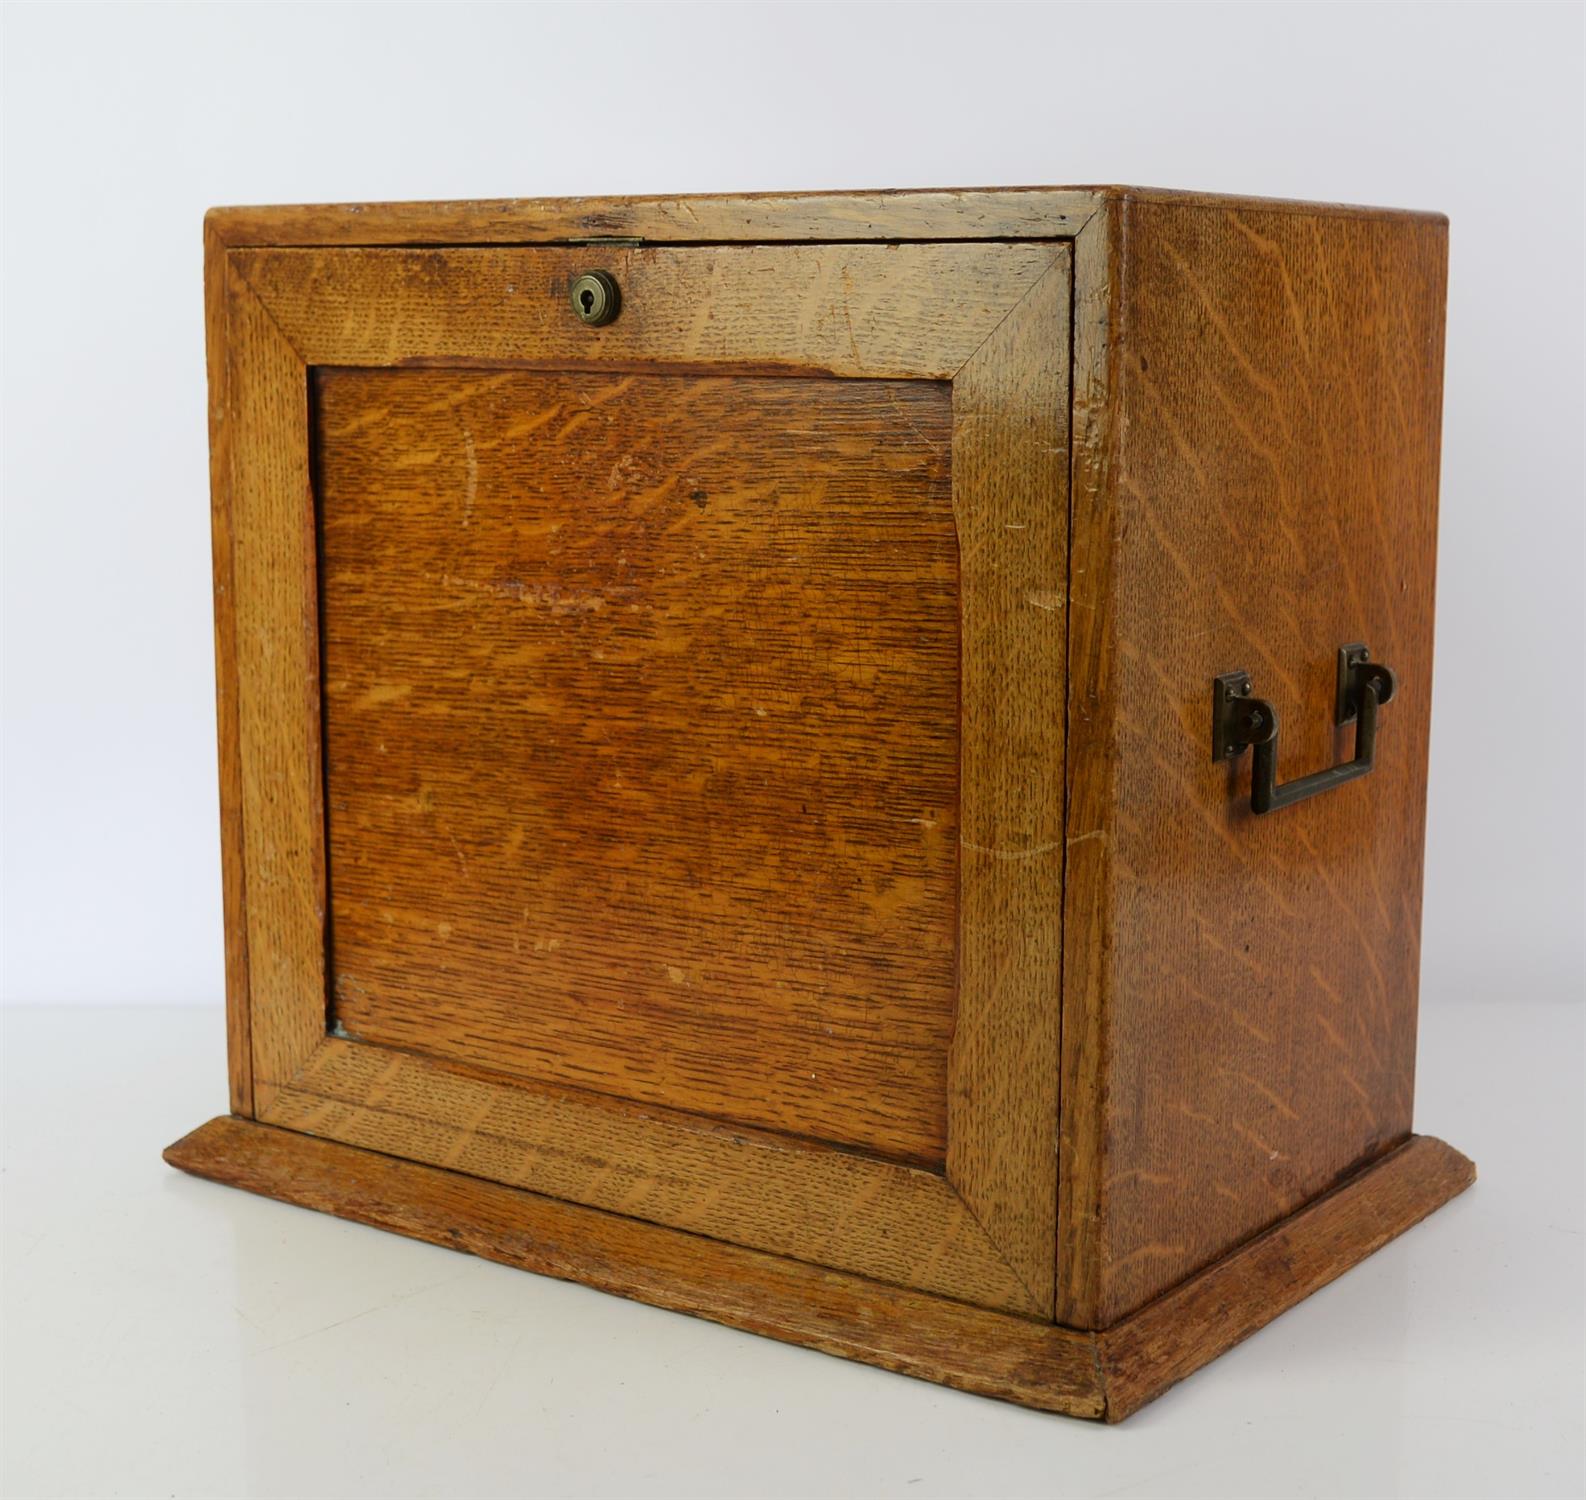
{"points": [[1258, 488], [971, 1215], [1010, 467], [1043, 213], [934, 1338], [1158, 1047], [900, 1224], [716, 218], [1175, 1334], [1104, 1376], [217, 342], [873, 311], [272, 677], [642, 761]]}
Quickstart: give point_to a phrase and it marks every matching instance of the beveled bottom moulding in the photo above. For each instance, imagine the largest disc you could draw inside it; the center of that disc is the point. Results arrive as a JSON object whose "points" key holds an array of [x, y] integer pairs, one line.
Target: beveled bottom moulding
{"points": [[1105, 1376]]}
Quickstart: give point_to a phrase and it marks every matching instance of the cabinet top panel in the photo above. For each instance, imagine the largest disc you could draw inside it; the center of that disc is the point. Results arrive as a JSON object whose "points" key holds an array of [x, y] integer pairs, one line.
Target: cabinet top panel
{"points": [[914, 214]]}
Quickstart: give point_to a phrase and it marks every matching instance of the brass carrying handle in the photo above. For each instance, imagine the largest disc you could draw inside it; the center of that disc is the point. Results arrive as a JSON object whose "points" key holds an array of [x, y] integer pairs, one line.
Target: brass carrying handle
{"points": [[1241, 721]]}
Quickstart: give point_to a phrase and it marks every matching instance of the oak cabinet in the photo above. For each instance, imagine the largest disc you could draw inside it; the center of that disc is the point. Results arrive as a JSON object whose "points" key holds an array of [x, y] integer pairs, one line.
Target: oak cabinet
{"points": [[744, 727]]}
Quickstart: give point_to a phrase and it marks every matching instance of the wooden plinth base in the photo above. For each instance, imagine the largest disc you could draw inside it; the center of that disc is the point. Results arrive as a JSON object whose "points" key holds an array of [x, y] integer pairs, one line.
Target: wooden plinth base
{"points": [[1104, 1375]]}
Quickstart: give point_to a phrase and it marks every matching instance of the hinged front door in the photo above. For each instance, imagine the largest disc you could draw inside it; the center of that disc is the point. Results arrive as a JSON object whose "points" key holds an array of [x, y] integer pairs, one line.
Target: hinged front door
{"points": [[650, 729]]}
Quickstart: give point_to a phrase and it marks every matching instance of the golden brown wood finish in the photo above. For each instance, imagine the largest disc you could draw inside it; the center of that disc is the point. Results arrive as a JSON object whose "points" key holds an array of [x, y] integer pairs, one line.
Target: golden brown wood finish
{"points": [[904, 312], [1087, 927], [1081, 1374], [1009, 464], [728, 218], [270, 508], [1254, 391], [239, 1040], [983, 1238], [705, 218], [896, 1223], [675, 814], [1201, 1318], [1256, 486]]}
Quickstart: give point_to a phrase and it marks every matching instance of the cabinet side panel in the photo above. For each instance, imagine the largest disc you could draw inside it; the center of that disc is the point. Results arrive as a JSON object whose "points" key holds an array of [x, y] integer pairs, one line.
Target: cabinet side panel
{"points": [[1275, 494]]}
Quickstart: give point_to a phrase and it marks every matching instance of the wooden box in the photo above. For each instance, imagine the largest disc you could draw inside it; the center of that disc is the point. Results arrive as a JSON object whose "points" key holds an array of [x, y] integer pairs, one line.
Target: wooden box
{"points": [[748, 802]]}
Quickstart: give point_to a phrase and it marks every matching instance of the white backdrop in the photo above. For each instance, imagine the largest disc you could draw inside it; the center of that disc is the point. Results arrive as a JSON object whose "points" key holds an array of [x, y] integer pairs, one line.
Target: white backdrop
{"points": [[122, 124]]}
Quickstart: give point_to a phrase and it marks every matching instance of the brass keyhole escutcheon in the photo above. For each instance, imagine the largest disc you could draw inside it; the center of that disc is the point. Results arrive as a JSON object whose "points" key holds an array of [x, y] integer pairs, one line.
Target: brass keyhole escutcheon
{"points": [[595, 297]]}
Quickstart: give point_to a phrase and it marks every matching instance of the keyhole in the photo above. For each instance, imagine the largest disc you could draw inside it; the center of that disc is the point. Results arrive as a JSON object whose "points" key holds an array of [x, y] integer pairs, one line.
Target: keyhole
{"points": [[594, 297]]}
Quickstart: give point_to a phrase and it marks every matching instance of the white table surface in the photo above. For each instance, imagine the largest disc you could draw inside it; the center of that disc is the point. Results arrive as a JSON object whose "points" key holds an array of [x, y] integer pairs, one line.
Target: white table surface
{"points": [[168, 1337]]}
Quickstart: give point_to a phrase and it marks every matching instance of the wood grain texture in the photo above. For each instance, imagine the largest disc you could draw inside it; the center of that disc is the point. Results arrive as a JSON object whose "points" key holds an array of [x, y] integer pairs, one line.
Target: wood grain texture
{"points": [[672, 812], [239, 1035], [975, 302], [722, 218], [1091, 763], [269, 506], [893, 1223], [1106, 1375], [978, 876], [1188, 1327], [1015, 1359], [976, 214], [1267, 493], [1010, 470], [873, 311]]}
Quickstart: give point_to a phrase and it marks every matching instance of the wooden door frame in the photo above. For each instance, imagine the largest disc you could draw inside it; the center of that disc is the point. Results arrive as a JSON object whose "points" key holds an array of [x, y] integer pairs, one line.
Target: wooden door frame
{"points": [[992, 318]]}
